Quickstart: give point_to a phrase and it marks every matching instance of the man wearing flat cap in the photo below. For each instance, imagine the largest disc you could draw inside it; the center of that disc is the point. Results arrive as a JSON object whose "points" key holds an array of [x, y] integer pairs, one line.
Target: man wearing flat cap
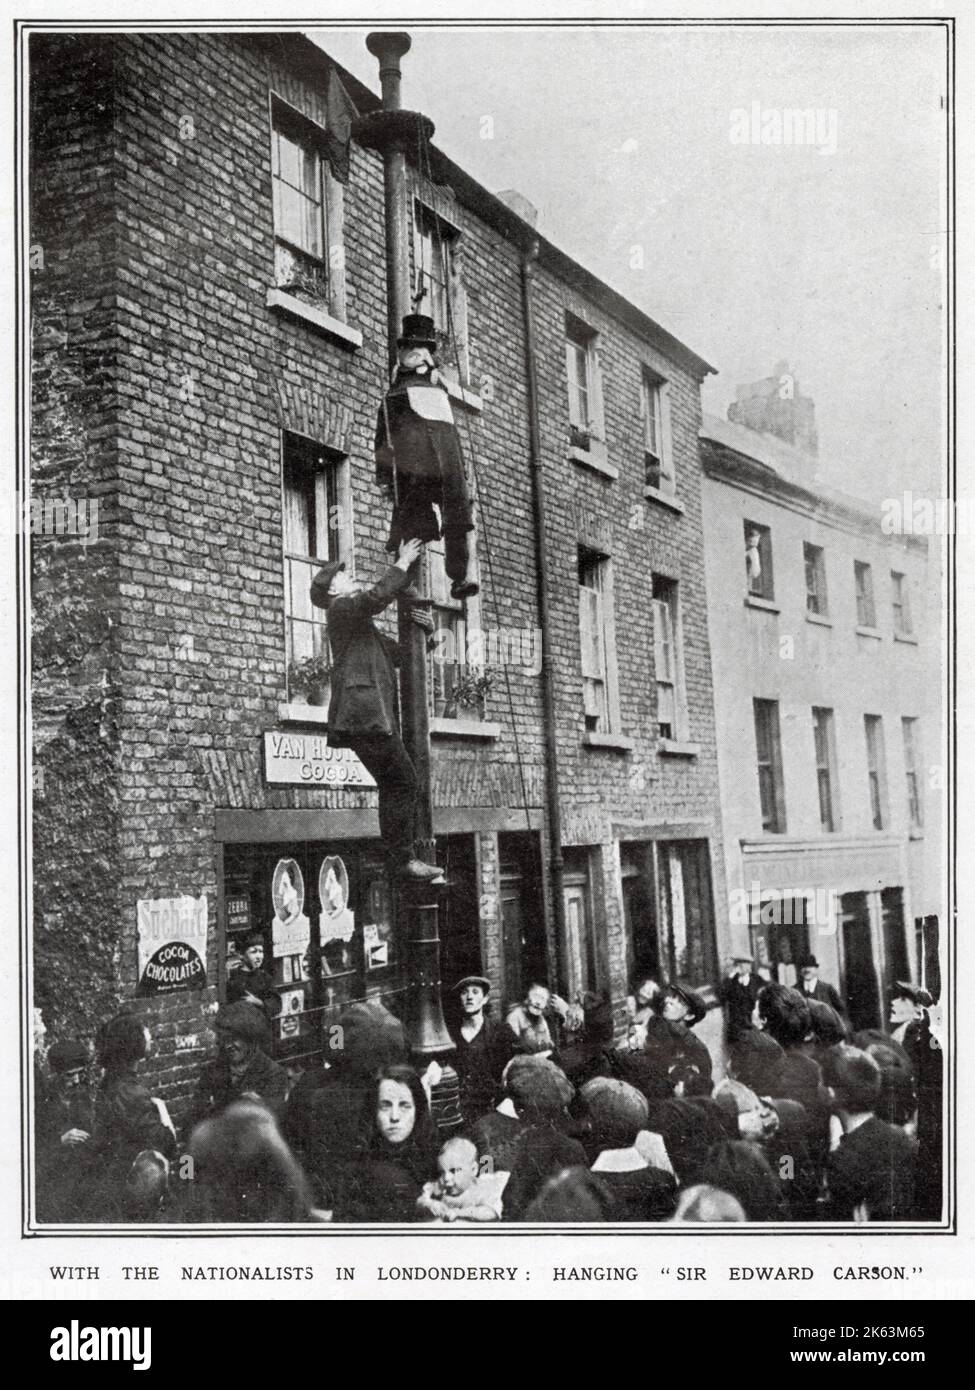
{"points": [[738, 992], [812, 987], [911, 1028], [484, 1047], [362, 712]]}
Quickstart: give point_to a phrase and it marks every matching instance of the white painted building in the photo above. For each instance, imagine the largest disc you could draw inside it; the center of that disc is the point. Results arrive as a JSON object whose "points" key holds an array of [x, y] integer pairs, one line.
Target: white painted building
{"points": [[826, 656]]}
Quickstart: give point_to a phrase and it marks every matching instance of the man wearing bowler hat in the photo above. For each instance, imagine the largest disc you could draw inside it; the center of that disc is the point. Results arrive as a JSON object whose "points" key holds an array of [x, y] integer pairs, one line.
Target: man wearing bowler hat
{"points": [[362, 712], [484, 1048], [418, 456], [815, 988], [738, 993]]}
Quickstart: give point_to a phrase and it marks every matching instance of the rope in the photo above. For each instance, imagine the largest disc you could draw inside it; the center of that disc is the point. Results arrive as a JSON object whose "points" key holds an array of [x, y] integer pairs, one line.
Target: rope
{"points": [[423, 157]]}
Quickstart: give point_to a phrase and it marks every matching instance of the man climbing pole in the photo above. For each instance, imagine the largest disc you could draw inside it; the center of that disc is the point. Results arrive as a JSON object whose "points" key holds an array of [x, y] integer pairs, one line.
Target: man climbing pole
{"points": [[362, 712]]}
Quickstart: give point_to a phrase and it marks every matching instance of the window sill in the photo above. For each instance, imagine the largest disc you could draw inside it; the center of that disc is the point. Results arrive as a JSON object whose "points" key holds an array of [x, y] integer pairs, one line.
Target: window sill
{"points": [[907, 637], [464, 728], [915, 834], [298, 713], [283, 303], [617, 743], [459, 393], [653, 494], [678, 748], [819, 619], [595, 457], [869, 632], [767, 605]]}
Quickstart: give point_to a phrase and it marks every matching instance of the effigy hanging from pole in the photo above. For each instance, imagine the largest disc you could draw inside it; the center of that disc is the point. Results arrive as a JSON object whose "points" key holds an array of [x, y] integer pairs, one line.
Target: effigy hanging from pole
{"points": [[419, 459]]}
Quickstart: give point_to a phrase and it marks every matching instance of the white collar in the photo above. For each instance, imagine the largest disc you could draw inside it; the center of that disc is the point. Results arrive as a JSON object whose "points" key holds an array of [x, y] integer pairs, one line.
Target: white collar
{"points": [[619, 1161]]}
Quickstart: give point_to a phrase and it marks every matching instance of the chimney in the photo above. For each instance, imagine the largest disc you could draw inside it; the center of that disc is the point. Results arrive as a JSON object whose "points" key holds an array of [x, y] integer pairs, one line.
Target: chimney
{"points": [[775, 405], [519, 204]]}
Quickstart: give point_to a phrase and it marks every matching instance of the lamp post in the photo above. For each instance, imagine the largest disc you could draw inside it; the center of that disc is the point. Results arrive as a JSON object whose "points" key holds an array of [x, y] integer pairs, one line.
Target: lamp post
{"points": [[391, 131]]}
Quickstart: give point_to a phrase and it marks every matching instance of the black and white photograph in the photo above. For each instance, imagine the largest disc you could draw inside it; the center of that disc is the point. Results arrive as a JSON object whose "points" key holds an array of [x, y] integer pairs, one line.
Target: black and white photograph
{"points": [[486, 525]]}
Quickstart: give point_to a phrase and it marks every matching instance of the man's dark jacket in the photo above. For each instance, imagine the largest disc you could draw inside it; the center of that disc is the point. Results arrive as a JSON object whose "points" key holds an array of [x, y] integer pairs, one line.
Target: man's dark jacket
{"points": [[217, 1089], [873, 1164], [739, 1000], [363, 659], [479, 1064], [825, 994]]}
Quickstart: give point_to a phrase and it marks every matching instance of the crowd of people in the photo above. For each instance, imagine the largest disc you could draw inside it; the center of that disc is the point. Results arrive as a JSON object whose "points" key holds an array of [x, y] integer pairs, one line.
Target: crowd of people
{"points": [[561, 1119]]}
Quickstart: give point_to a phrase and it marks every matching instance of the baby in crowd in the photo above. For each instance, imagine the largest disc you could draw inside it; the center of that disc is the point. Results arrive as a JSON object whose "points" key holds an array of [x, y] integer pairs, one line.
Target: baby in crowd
{"points": [[462, 1192]]}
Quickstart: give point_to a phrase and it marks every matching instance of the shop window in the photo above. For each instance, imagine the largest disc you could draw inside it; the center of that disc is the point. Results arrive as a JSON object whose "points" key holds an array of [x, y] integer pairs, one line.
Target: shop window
{"points": [[326, 917], [780, 937], [640, 915]]}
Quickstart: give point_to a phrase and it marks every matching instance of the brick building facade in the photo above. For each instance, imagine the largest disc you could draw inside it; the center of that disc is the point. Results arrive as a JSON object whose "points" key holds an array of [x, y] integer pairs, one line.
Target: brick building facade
{"points": [[209, 353]]}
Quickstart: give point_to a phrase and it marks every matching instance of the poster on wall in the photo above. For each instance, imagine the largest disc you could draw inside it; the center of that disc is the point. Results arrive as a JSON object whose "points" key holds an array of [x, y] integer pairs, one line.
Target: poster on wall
{"points": [[336, 925], [290, 929], [292, 1007], [172, 944]]}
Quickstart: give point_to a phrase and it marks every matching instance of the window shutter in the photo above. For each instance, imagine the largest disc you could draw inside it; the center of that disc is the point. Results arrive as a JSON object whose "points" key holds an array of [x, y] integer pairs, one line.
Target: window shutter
{"points": [[596, 421], [666, 446], [663, 641], [591, 634]]}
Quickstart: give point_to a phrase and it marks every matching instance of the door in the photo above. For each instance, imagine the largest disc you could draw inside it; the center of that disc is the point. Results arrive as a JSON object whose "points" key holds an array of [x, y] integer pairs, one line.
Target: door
{"points": [[896, 960], [639, 914], [859, 971]]}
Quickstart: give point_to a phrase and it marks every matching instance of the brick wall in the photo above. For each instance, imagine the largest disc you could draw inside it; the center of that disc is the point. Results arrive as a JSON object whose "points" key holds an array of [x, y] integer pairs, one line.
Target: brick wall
{"points": [[203, 378]]}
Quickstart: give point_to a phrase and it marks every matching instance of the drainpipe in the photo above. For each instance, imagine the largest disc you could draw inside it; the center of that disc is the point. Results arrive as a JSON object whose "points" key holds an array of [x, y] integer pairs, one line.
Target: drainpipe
{"points": [[553, 813]]}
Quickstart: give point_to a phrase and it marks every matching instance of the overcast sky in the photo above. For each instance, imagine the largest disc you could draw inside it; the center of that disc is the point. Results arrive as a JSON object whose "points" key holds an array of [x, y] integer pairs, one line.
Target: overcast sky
{"points": [[829, 255]]}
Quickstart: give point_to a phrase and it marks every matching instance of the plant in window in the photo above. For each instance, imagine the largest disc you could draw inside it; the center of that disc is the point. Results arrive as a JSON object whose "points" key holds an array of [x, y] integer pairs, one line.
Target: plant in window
{"points": [[469, 693], [579, 438], [310, 676]]}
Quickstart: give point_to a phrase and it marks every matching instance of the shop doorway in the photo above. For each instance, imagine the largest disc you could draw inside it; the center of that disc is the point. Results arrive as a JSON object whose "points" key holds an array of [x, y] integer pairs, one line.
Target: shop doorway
{"points": [[522, 914], [859, 971]]}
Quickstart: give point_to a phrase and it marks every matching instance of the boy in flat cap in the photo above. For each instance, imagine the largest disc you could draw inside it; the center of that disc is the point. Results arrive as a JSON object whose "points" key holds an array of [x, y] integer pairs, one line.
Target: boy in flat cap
{"points": [[484, 1048], [362, 712]]}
